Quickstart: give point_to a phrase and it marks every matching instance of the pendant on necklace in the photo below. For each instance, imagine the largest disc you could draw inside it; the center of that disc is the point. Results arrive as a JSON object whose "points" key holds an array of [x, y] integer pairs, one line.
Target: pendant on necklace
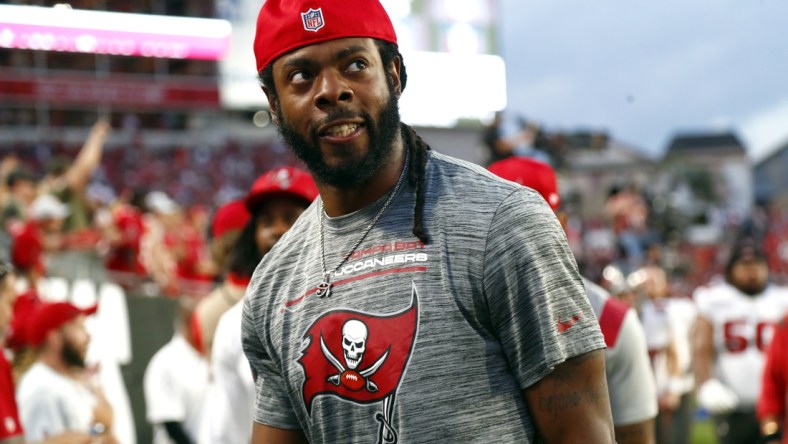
{"points": [[324, 289]]}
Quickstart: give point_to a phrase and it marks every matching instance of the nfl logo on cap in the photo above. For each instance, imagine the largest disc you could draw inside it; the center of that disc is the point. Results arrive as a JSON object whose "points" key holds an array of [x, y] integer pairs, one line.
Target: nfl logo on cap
{"points": [[313, 19]]}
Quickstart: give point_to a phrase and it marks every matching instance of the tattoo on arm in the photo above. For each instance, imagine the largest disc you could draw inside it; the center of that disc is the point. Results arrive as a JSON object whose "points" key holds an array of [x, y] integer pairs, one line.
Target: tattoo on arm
{"points": [[558, 396]]}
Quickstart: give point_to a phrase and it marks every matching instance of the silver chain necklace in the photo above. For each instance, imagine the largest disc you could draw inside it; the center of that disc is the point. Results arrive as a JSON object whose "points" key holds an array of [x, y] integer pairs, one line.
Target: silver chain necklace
{"points": [[324, 289]]}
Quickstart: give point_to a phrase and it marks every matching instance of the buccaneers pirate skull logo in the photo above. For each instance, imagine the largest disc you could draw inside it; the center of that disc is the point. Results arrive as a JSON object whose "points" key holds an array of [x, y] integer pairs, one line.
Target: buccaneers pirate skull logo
{"points": [[354, 343], [360, 358]]}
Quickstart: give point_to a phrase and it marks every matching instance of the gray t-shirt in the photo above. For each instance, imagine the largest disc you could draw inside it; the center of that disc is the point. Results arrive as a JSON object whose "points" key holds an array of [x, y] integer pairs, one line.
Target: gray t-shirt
{"points": [[418, 343]]}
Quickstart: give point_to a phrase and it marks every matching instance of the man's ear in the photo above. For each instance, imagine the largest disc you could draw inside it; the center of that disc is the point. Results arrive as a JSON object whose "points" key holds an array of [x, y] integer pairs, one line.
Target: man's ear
{"points": [[273, 104], [394, 72]]}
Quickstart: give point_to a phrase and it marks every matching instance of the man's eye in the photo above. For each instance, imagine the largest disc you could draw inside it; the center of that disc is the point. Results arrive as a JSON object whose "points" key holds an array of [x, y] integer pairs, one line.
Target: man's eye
{"points": [[299, 77], [357, 65]]}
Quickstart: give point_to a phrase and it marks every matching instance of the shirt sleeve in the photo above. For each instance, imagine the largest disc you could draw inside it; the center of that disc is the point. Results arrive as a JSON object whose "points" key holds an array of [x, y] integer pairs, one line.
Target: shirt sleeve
{"points": [[272, 404], [162, 395], [537, 303], [771, 401], [633, 392], [41, 417]]}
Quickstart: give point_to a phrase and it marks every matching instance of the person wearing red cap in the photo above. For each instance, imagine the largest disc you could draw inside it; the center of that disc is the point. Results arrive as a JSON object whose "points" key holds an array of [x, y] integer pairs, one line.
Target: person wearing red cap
{"points": [[736, 320], [771, 409], [420, 299], [228, 221], [11, 430], [275, 201], [54, 394], [630, 383]]}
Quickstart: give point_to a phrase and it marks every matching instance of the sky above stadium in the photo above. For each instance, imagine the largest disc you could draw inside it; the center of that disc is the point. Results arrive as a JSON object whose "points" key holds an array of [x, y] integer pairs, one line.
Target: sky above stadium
{"points": [[644, 71]]}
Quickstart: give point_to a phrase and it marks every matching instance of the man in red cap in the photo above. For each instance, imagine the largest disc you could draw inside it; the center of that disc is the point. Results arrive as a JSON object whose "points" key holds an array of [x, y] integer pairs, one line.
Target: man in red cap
{"points": [[630, 382], [420, 299], [275, 201], [54, 395], [228, 221], [11, 431]]}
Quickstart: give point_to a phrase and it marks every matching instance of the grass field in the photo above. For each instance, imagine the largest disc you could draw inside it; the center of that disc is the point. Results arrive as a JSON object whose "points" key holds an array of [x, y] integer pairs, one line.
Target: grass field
{"points": [[703, 432]]}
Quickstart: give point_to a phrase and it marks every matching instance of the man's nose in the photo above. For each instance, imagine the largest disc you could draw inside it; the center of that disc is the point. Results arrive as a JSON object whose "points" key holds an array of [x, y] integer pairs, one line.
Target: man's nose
{"points": [[333, 89]]}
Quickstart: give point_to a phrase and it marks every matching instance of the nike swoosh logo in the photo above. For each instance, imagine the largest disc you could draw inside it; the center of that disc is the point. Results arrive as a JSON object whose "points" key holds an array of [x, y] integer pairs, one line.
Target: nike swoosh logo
{"points": [[566, 325]]}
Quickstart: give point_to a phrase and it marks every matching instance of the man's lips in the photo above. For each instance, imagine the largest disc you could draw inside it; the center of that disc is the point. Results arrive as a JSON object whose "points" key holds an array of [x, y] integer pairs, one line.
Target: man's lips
{"points": [[339, 129]]}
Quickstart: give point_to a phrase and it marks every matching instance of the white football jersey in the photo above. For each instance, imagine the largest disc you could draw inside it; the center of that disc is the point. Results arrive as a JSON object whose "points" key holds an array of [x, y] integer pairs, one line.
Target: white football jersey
{"points": [[743, 327]]}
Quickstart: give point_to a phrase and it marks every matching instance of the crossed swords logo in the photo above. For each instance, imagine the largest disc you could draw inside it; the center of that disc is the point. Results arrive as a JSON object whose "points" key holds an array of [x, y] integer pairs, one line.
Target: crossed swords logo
{"points": [[366, 374]]}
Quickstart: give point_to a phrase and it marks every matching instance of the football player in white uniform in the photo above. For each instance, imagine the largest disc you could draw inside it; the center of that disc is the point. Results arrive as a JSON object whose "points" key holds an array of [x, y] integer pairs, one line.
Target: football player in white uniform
{"points": [[736, 320]]}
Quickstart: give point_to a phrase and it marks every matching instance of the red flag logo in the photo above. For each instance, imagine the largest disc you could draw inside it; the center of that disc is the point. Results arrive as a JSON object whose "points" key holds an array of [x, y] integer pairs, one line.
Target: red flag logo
{"points": [[358, 357]]}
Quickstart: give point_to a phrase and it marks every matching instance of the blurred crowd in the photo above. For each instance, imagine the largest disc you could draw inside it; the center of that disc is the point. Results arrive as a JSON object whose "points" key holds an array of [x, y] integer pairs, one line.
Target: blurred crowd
{"points": [[708, 307], [191, 224], [144, 213]]}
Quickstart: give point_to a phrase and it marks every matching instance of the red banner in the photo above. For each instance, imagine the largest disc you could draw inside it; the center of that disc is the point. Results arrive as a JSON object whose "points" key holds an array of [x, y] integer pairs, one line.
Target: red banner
{"points": [[115, 92]]}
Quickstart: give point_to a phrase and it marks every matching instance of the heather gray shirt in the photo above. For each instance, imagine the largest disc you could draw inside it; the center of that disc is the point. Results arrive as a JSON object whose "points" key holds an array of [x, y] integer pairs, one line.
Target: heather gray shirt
{"points": [[418, 343]]}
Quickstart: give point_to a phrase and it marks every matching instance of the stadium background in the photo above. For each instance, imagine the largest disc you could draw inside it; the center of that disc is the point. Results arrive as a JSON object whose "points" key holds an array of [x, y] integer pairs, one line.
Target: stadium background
{"points": [[188, 119]]}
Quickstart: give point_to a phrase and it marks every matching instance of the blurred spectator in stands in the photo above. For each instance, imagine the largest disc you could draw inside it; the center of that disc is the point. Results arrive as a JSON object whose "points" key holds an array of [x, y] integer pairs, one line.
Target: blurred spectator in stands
{"points": [[21, 188], [772, 412], [41, 234], [228, 221], [522, 143], [628, 213], [124, 236], [18, 193], [275, 201], [68, 180], [730, 335], [158, 247], [666, 339], [629, 378], [11, 431], [498, 146], [194, 266], [175, 384], [58, 393]]}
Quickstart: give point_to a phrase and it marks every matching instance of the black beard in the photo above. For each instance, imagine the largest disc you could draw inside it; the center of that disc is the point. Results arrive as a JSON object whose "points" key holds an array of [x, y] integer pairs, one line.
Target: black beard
{"points": [[357, 171], [752, 289], [71, 356]]}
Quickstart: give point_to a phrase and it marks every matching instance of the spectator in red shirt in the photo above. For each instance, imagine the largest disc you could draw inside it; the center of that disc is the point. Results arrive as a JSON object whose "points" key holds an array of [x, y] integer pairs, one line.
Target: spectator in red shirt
{"points": [[774, 390], [42, 233], [125, 235]]}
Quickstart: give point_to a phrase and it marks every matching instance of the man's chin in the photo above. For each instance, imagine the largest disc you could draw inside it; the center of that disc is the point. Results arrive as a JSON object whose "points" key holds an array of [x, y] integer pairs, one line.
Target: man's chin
{"points": [[343, 176]]}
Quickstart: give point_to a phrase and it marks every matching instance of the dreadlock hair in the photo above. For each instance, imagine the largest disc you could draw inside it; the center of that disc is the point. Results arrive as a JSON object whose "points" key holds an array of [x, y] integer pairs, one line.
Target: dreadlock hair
{"points": [[243, 256], [417, 172], [417, 167]]}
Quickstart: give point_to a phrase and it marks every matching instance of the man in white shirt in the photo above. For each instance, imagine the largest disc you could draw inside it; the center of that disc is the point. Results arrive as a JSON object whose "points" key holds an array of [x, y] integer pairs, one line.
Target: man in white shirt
{"points": [[175, 384], [53, 395]]}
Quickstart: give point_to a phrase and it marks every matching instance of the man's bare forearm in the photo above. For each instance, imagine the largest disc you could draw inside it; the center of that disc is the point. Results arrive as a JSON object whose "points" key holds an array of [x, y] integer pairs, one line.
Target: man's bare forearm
{"points": [[575, 392]]}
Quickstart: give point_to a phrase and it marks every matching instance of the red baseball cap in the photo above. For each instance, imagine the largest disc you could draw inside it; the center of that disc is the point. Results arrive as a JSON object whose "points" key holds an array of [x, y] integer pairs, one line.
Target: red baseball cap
{"points": [[286, 25], [232, 215], [51, 316], [281, 182], [532, 174], [24, 306]]}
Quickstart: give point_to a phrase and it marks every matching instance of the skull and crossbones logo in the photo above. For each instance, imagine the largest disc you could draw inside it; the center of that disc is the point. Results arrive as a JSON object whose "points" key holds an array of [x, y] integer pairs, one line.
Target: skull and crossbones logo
{"points": [[354, 345]]}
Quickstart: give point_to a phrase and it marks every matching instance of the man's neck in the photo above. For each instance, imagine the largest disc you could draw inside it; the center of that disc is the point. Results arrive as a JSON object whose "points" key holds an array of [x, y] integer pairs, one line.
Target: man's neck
{"points": [[57, 365], [341, 201]]}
